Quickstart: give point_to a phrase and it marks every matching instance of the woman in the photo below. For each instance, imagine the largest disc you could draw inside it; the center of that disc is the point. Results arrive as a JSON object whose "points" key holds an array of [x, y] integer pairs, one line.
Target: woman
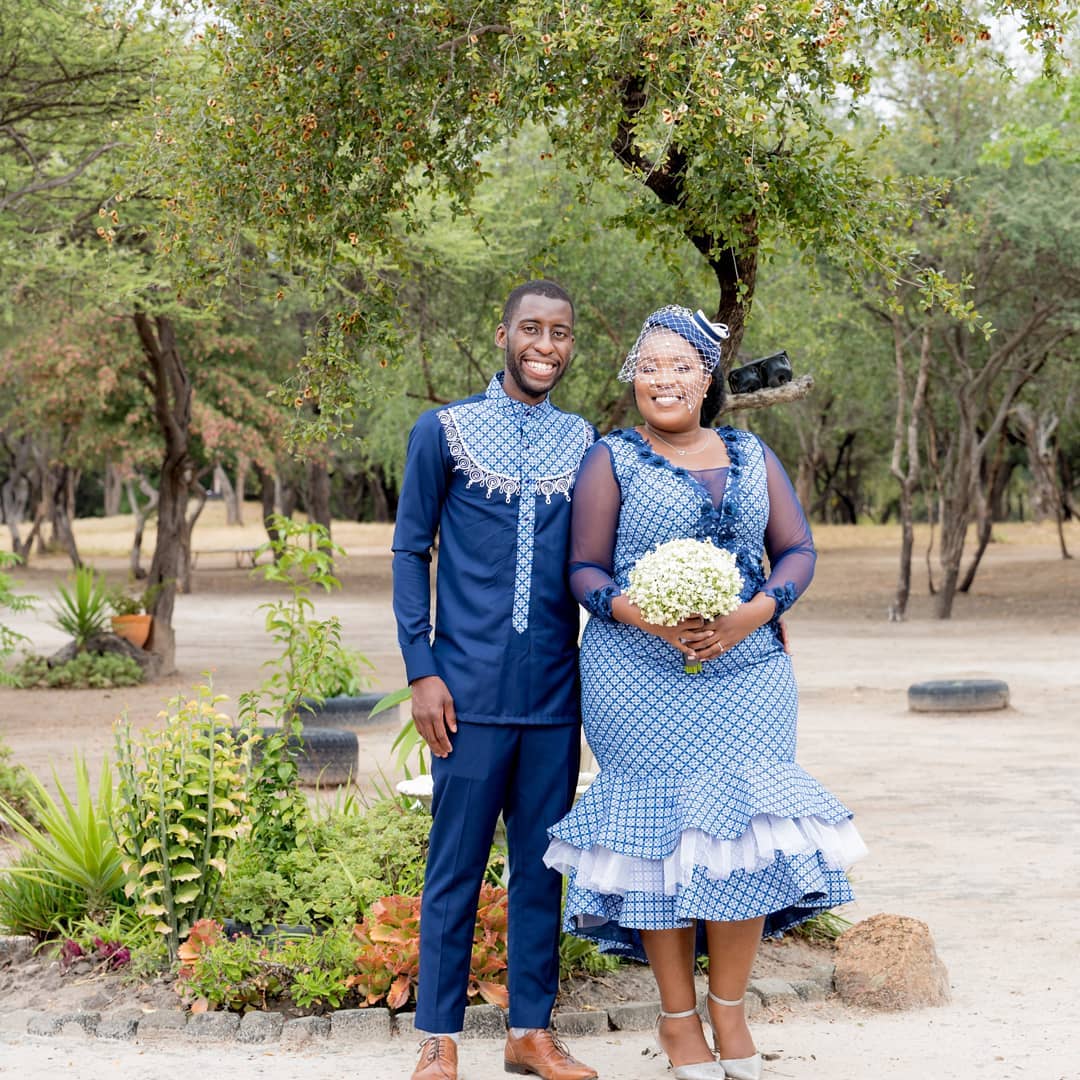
{"points": [[700, 832]]}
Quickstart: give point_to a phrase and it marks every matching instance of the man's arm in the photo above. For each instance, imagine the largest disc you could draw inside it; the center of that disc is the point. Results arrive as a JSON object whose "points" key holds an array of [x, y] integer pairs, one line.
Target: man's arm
{"points": [[423, 492]]}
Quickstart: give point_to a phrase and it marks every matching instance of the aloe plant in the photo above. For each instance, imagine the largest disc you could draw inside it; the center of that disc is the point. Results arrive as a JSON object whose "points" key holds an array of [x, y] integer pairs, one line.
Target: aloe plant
{"points": [[72, 842], [84, 610]]}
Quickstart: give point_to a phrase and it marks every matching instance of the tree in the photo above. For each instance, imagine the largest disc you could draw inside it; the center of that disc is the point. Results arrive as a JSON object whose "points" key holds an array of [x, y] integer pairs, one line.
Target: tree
{"points": [[333, 123], [1008, 234]]}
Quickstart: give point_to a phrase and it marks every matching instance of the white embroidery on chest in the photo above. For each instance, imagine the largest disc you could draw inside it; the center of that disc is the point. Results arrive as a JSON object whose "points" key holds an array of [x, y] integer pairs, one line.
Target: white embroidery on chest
{"points": [[470, 460]]}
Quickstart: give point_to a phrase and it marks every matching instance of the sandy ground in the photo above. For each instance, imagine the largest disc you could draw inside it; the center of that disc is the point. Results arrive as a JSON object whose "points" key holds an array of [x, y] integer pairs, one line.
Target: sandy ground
{"points": [[972, 820]]}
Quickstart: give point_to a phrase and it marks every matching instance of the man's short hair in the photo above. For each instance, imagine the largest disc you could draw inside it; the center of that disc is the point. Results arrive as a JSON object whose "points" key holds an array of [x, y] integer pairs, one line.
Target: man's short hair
{"points": [[540, 287]]}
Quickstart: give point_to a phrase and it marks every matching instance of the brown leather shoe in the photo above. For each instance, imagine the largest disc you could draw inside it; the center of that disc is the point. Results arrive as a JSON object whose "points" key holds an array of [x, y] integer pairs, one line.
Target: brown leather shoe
{"points": [[438, 1059], [540, 1052]]}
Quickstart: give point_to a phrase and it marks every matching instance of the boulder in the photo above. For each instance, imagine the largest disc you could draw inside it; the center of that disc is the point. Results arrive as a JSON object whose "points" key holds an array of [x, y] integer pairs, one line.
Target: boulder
{"points": [[889, 962]]}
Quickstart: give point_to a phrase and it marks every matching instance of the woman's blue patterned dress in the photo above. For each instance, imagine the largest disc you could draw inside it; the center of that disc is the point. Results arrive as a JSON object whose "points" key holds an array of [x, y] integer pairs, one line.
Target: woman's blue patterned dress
{"points": [[699, 810]]}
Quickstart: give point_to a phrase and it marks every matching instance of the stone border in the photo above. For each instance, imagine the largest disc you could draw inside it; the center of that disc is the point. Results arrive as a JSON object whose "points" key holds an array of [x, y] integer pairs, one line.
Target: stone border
{"points": [[356, 1026]]}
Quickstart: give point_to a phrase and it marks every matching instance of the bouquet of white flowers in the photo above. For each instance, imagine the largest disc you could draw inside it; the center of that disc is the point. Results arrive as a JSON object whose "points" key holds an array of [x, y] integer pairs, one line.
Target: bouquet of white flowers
{"points": [[683, 578]]}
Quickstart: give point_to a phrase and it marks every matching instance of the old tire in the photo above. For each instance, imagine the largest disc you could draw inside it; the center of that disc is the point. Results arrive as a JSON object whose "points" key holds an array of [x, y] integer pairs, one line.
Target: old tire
{"points": [[323, 755], [958, 695], [345, 712]]}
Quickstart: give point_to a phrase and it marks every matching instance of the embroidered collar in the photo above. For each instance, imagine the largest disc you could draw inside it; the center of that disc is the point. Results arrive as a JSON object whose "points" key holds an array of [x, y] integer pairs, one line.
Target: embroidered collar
{"points": [[496, 394]]}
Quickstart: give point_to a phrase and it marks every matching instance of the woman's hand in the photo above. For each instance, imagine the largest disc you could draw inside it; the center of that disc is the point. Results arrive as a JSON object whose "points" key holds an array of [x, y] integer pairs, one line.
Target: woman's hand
{"points": [[720, 635]]}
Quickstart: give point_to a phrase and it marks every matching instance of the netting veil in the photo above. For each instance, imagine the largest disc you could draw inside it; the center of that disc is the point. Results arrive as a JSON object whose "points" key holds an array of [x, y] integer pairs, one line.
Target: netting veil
{"points": [[676, 346]]}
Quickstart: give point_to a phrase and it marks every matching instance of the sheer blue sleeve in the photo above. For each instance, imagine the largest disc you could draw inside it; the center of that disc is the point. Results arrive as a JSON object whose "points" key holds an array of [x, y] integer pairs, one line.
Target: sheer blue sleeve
{"points": [[594, 525], [788, 542]]}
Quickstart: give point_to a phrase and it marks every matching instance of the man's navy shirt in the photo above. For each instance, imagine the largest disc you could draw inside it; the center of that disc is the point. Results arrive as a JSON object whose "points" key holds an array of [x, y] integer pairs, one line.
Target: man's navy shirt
{"points": [[491, 478]]}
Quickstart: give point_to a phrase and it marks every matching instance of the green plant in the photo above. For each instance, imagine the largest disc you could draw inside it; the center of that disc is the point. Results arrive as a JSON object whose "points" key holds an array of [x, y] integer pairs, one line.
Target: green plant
{"points": [[12, 601], [182, 793], [72, 842], [346, 862], [408, 738], [825, 926], [35, 901], [83, 611], [85, 670], [579, 956], [16, 786], [127, 601], [341, 672], [303, 560], [251, 972]]}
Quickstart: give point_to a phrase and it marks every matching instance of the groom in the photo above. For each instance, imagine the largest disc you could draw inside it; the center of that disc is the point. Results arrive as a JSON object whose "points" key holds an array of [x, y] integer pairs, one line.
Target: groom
{"points": [[496, 695]]}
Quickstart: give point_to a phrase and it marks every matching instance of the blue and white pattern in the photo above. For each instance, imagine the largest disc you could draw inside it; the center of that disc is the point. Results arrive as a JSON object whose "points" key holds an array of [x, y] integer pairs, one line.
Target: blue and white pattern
{"points": [[513, 448], [699, 810]]}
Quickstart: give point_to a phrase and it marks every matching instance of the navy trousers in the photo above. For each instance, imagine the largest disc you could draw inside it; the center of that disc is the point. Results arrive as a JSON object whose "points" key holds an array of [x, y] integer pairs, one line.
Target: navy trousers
{"points": [[528, 773]]}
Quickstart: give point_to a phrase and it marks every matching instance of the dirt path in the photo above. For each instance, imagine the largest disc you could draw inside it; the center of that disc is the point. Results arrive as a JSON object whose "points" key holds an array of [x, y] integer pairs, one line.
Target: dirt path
{"points": [[971, 819]]}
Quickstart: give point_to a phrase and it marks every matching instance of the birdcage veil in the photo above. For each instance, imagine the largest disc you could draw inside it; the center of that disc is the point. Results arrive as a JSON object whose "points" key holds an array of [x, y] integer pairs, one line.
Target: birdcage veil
{"points": [[658, 353]]}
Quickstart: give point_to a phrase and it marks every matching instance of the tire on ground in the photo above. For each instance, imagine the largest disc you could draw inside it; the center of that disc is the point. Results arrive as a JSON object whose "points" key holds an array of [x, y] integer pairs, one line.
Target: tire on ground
{"points": [[323, 755], [958, 695], [345, 711]]}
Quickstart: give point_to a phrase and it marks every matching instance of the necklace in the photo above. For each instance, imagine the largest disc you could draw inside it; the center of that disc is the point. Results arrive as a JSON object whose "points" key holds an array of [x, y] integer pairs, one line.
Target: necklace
{"points": [[681, 453]]}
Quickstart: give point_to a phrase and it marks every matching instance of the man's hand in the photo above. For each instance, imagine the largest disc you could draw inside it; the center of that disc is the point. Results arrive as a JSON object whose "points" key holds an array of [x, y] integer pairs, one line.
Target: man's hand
{"points": [[433, 713]]}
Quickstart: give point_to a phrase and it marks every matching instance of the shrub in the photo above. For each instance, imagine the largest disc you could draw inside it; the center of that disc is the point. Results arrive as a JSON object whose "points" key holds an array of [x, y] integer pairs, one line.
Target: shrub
{"points": [[347, 862], [84, 671], [16, 786], [72, 843], [182, 798], [9, 599], [253, 972], [34, 901]]}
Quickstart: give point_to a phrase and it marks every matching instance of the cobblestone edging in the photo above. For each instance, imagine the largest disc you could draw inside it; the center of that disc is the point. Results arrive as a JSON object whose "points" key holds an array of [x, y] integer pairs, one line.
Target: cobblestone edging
{"points": [[352, 1026]]}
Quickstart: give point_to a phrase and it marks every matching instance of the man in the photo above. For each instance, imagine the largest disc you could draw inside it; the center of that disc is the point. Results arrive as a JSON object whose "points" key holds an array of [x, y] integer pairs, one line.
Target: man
{"points": [[496, 696]]}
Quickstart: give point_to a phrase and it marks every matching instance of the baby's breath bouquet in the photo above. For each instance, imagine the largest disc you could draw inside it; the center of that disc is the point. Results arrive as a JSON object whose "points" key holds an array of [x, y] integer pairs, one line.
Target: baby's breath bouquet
{"points": [[683, 578]]}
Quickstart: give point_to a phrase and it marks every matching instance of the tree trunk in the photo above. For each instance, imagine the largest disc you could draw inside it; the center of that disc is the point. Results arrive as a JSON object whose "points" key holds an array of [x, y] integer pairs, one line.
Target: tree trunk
{"points": [[142, 513], [168, 380], [243, 463], [317, 494], [268, 489], [223, 486], [906, 438], [185, 540], [114, 490], [986, 490]]}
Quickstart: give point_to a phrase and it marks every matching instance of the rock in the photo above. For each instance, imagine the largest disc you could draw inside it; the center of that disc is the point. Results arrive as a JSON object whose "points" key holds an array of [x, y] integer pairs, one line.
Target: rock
{"points": [[809, 990], [405, 1025], [361, 1025], [110, 644], [773, 991], [634, 1015], [303, 1030], [164, 1024], [574, 1024], [121, 1025], [259, 1027], [212, 1026], [889, 962], [484, 1022]]}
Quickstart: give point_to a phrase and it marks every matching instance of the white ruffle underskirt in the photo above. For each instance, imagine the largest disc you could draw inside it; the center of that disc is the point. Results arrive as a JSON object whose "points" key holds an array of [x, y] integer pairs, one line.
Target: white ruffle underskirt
{"points": [[609, 872]]}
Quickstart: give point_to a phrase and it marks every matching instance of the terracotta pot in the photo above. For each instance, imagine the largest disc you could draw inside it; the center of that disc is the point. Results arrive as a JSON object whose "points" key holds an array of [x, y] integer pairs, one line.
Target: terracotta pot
{"points": [[133, 628]]}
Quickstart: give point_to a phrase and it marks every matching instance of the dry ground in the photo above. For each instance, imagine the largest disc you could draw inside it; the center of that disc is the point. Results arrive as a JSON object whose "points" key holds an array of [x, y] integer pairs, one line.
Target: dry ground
{"points": [[971, 819]]}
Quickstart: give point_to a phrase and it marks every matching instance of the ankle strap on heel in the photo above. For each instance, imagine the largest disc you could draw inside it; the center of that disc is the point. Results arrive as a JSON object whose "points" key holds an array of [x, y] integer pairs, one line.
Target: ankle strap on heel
{"points": [[724, 1001], [676, 1016]]}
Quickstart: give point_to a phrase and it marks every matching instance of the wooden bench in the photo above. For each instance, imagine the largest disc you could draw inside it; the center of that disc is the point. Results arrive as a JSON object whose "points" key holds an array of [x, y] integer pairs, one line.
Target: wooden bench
{"points": [[244, 558]]}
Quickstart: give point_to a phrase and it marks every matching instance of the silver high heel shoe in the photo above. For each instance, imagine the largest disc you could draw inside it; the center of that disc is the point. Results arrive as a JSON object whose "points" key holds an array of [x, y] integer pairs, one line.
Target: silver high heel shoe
{"points": [[698, 1070], [747, 1068]]}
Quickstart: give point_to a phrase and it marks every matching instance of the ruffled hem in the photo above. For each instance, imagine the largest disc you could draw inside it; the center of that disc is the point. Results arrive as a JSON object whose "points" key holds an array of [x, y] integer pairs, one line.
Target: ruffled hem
{"points": [[647, 817], [600, 870]]}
